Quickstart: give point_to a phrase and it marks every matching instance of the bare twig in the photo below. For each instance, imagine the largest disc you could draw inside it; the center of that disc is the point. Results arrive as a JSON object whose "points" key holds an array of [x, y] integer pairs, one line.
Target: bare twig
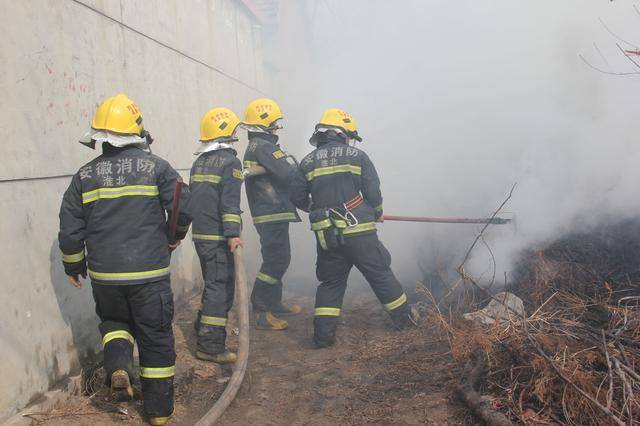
{"points": [[606, 354], [493, 262], [628, 389], [626, 55], [468, 253], [630, 371], [614, 35], [601, 55], [600, 70], [543, 305]]}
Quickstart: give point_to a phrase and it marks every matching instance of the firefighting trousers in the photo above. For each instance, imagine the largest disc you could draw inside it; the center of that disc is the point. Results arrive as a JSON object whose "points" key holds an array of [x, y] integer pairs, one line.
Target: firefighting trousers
{"points": [[276, 256], [140, 313], [370, 256], [217, 265]]}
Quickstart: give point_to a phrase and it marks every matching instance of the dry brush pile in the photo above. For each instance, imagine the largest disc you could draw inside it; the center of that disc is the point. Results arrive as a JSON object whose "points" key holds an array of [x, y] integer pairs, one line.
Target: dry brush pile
{"points": [[574, 357]]}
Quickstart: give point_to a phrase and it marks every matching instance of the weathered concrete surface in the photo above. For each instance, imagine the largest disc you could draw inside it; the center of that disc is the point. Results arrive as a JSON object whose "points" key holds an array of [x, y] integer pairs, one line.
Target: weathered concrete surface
{"points": [[59, 58]]}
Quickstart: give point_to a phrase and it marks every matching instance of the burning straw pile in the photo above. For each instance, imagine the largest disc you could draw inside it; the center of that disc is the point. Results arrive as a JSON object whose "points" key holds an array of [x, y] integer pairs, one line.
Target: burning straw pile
{"points": [[574, 357]]}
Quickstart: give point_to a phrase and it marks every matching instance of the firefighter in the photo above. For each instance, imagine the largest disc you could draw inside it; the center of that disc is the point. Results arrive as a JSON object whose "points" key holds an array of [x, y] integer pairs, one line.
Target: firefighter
{"points": [[271, 210], [216, 179], [339, 187], [113, 227]]}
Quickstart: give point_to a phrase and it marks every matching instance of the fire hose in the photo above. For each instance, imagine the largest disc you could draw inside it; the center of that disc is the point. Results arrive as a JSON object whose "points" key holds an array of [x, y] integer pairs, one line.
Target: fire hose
{"points": [[492, 220], [243, 349]]}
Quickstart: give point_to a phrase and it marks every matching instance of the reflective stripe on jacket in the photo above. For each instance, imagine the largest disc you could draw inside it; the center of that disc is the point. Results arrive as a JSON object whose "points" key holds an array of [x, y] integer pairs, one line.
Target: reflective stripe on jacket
{"points": [[114, 216]]}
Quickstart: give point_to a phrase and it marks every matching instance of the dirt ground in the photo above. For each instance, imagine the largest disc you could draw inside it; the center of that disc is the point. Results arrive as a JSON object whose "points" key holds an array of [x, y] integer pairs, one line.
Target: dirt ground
{"points": [[372, 375]]}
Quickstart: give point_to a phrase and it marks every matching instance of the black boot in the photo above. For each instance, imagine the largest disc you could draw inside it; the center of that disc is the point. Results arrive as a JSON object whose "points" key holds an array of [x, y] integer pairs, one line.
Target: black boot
{"points": [[158, 399], [404, 317], [324, 331], [211, 339]]}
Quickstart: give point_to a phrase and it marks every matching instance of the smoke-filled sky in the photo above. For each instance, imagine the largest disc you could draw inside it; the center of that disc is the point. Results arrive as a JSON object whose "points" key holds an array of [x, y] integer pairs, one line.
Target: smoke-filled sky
{"points": [[457, 100]]}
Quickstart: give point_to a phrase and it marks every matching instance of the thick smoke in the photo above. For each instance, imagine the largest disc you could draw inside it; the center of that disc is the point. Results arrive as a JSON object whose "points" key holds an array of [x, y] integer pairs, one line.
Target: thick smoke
{"points": [[456, 101]]}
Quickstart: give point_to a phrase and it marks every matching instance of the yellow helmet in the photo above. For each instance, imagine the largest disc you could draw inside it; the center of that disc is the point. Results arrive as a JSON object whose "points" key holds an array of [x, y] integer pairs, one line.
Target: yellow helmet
{"points": [[218, 123], [339, 119], [118, 114], [262, 112]]}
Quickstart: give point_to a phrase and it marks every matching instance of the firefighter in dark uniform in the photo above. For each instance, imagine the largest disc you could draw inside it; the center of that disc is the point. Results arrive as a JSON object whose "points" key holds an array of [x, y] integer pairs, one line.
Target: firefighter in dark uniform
{"points": [[339, 187], [271, 210], [215, 183], [113, 226]]}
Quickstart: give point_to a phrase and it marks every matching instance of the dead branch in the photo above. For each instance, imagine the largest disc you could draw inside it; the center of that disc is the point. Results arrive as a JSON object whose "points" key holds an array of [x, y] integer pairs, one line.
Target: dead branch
{"points": [[473, 374], [610, 374], [600, 70], [484, 228], [626, 55]]}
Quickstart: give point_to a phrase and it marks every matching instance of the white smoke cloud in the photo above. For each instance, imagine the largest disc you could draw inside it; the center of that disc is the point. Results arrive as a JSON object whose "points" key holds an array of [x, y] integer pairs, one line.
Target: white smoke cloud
{"points": [[457, 100]]}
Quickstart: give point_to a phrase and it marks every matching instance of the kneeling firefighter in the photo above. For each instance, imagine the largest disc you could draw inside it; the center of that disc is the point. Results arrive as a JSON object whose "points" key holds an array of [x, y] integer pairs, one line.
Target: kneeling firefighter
{"points": [[113, 218], [339, 187], [271, 210], [216, 180]]}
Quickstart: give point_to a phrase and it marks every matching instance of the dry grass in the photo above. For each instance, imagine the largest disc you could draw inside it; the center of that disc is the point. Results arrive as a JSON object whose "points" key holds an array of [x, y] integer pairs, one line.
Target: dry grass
{"points": [[575, 358]]}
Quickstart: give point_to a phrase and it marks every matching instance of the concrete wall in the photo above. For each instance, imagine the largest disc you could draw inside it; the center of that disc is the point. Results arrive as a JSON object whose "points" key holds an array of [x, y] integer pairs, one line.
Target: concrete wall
{"points": [[59, 59]]}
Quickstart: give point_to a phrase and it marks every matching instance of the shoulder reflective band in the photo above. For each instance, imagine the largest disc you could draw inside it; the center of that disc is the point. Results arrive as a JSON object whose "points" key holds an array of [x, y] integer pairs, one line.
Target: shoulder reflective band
{"points": [[219, 321], [274, 217], [238, 174], [230, 217], [396, 303], [117, 334], [329, 312], [362, 227], [330, 170], [157, 372], [73, 258], [378, 208], [266, 278], [323, 224], [126, 276], [248, 163], [205, 178], [210, 237], [122, 191], [321, 240]]}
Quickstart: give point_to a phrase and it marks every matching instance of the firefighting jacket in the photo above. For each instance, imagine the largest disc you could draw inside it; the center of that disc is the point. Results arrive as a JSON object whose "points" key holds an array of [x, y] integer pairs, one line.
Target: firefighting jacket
{"points": [[216, 179], [268, 194], [333, 175], [113, 217]]}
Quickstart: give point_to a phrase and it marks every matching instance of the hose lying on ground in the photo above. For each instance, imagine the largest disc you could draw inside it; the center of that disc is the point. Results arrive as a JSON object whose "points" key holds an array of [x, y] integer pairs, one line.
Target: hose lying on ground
{"points": [[243, 349]]}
